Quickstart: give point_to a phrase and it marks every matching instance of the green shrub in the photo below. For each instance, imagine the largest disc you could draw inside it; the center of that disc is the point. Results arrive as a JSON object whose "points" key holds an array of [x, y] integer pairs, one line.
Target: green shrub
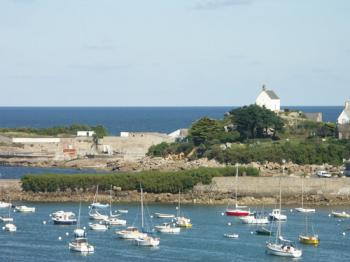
{"points": [[152, 181]]}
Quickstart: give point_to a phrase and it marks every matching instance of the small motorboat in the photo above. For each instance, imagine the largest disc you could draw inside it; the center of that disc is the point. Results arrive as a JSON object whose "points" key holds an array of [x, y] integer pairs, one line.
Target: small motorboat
{"points": [[80, 243], [305, 210], [98, 227], [147, 241], [25, 209], [264, 232], [231, 235], [123, 211], [130, 233], [160, 215], [10, 227], [276, 215], [114, 221], [340, 214], [167, 228], [254, 220], [64, 218], [5, 204]]}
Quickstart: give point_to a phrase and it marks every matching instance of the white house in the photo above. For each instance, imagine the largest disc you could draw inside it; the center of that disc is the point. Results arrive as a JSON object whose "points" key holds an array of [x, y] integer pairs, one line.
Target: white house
{"points": [[344, 117], [85, 133], [269, 99]]}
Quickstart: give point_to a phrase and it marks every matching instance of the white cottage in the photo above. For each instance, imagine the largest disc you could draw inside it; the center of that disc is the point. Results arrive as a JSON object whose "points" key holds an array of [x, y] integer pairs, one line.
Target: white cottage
{"points": [[269, 99], [344, 117]]}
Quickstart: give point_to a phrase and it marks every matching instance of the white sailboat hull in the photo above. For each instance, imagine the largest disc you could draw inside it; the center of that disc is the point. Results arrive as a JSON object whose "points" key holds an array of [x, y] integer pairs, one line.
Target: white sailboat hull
{"points": [[5, 204], [168, 230], [147, 241], [98, 227], [278, 250], [254, 221], [305, 210]]}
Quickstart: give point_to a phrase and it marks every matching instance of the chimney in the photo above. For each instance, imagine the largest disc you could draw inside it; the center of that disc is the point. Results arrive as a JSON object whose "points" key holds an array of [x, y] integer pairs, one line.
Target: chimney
{"points": [[264, 88], [347, 105]]}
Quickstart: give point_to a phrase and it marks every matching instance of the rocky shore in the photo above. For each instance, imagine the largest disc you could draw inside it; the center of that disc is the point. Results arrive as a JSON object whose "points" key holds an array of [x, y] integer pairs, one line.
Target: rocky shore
{"points": [[337, 194], [165, 164]]}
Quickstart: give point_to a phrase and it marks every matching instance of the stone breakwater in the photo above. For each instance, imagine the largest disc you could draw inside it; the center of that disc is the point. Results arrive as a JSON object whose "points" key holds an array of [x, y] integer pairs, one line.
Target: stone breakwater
{"points": [[251, 191]]}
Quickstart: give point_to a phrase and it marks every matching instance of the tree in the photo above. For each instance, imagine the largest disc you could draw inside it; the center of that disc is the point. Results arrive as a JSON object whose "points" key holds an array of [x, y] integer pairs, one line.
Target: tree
{"points": [[205, 130], [254, 121]]}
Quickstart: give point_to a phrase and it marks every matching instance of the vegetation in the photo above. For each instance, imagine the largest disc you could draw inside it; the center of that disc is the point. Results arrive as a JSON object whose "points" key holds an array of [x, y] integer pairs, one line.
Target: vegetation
{"points": [[152, 181], [256, 134], [255, 122], [100, 130]]}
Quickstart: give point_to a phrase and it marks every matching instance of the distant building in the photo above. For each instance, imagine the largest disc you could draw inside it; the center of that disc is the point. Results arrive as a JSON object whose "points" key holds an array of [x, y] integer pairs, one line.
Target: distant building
{"points": [[344, 117], [315, 117], [85, 133], [268, 99], [343, 122], [179, 134]]}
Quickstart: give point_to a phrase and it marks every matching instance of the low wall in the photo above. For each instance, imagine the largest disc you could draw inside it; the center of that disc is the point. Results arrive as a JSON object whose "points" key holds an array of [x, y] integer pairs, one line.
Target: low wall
{"points": [[269, 186], [31, 140]]}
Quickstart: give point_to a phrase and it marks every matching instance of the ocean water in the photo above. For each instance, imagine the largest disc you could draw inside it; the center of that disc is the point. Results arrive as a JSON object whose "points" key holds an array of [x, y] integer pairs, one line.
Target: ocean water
{"points": [[16, 172], [117, 119], [35, 241]]}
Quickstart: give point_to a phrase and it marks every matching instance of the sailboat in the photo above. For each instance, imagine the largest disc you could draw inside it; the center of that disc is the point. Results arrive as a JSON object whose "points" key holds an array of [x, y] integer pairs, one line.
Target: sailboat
{"points": [[9, 226], [5, 204], [113, 220], [145, 240], [97, 204], [281, 246], [94, 209], [238, 211], [309, 239], [7, 219], [80, 243], [182, 221], [302, 209]]}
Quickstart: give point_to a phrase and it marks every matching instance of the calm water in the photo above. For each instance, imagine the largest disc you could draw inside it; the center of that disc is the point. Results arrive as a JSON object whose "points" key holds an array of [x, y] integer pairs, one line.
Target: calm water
{"points": [[116, 119], [34, 241], [14, 172]]}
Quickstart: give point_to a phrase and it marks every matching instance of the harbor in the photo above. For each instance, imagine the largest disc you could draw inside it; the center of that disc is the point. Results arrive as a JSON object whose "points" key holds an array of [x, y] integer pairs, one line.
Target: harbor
{"points": [[204, 241]]}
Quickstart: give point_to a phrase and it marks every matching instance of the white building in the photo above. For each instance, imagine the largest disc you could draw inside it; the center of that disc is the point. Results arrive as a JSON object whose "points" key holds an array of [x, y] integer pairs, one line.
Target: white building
{"points": [[85, 133], [344, 117], [269, 99]]}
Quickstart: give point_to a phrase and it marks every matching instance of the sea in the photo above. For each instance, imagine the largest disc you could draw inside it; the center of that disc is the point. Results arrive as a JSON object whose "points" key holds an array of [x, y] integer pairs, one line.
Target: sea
{"points": [[38, 239], [132, 119]]}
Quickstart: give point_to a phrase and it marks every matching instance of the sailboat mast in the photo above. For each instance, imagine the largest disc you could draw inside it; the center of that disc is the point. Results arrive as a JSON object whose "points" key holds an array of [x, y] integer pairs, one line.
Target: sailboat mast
{"points": [[142, 222], [302, 192], [236, 184], [178, 207], [280, 212], [78, 224], [110, 202]]}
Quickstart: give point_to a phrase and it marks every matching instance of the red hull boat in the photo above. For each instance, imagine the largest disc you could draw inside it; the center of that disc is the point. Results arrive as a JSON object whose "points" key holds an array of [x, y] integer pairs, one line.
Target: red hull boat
{"points": [[237, 213]]}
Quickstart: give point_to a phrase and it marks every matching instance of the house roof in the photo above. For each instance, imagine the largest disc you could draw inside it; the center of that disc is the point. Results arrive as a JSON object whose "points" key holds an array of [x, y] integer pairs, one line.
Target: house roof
{"points": [[272, 94]]}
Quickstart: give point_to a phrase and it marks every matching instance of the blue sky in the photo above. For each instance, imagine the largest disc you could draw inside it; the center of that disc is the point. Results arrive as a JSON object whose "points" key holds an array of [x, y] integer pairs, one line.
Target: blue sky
{"points": [[173, 53]]}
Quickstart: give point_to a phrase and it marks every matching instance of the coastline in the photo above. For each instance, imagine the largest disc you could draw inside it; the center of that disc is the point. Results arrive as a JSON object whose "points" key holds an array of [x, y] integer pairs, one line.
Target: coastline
{"points": [[11, 189]]}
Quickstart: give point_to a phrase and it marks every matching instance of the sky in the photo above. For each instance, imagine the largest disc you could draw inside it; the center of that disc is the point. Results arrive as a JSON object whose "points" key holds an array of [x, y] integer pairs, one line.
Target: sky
{"points": [[173, 53]]}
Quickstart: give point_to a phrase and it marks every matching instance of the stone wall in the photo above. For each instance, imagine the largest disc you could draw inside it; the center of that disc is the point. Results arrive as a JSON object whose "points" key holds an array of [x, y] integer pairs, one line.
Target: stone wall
{"points": [[269, 186], [135, 145]]}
